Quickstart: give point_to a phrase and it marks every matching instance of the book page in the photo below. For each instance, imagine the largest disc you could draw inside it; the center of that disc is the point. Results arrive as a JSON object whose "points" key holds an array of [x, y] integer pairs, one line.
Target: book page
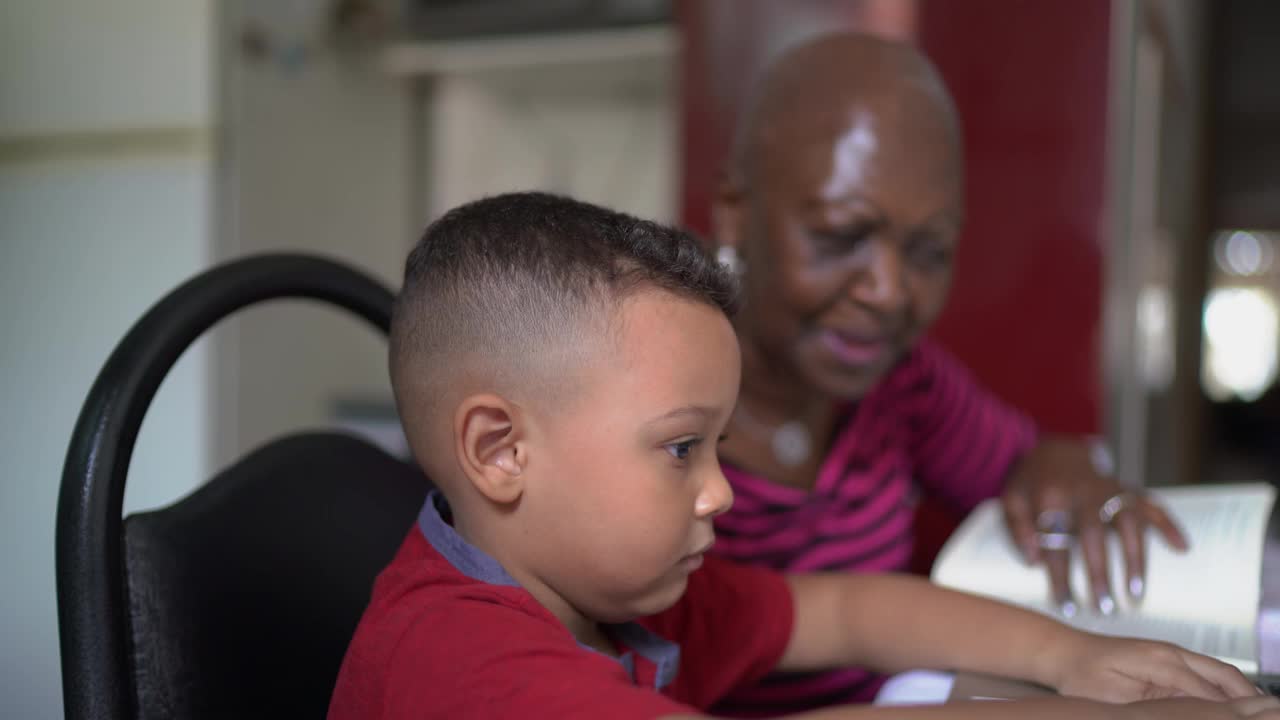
{"points": [[1206, 599]]}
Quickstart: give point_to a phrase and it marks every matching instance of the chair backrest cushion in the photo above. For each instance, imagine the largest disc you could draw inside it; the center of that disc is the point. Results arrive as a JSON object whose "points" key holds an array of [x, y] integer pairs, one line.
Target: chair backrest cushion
{"points": [[244, 595]]}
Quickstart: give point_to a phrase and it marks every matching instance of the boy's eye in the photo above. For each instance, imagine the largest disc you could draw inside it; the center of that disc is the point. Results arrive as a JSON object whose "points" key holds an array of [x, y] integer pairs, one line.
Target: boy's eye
{"points": [[680, 450]]}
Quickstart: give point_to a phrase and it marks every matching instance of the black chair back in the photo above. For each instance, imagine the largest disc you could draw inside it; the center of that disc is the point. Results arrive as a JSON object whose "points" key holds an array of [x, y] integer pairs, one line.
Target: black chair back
{"points": [[237, 601]]}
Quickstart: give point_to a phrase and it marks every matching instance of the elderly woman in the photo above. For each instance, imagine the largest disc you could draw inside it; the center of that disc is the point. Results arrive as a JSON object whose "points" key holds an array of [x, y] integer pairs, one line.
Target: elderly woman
{"points": [[840, 208]]}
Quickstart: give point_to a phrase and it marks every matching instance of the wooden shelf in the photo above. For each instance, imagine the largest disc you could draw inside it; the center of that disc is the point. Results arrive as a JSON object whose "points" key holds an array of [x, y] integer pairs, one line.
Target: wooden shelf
{"points": [[522, 52]]}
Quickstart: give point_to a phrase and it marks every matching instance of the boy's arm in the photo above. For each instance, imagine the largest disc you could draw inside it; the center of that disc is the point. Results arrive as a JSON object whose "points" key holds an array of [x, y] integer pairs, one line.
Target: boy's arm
{"points": [[1257, 708], [893, 623]]}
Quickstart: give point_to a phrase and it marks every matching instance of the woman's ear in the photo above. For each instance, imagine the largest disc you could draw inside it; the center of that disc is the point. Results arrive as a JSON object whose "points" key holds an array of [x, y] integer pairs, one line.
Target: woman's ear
{"points": [[491, 446]]}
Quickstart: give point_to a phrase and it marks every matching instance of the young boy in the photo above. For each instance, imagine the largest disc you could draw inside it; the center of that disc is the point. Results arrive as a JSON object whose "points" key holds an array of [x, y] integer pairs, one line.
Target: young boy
{"points": [[563, 373]]}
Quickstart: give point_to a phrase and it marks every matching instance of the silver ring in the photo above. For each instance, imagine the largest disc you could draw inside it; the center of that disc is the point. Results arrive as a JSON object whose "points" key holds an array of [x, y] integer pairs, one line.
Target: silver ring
{"points": [[1055, 540], [1055, 530], [1114, 505], [1055, 521]]}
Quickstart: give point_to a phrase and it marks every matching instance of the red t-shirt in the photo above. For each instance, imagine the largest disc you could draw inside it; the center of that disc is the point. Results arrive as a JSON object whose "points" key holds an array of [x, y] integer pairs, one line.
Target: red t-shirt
{"points": [[443, 639]]}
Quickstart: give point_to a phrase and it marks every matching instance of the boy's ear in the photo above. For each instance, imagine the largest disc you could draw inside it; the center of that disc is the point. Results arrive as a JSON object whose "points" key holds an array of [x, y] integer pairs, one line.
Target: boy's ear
{"points": [[727, 210], [491, 447]]}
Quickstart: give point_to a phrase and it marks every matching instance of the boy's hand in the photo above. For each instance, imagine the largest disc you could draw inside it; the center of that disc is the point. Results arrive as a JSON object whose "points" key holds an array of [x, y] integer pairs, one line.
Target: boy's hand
{"points": [[1256, 707], [1121, 670]]}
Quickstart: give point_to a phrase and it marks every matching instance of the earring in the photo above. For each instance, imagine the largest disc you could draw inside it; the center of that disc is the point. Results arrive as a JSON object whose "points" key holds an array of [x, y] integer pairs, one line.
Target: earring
{"points": [[727, 255]]}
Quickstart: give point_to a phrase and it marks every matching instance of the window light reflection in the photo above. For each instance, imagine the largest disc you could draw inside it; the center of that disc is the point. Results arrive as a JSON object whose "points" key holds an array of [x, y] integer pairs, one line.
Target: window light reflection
{"points": [[1242, 328]]}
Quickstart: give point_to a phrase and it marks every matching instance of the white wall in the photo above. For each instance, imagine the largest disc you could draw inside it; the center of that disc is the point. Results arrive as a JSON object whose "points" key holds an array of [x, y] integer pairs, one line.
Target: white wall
{"points": [[603, 132], [104, 205], [321, 157], [315, 161], [68, 66]]}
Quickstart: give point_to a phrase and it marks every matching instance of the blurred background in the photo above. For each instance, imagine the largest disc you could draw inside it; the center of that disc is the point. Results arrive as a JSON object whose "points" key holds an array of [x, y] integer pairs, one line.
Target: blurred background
{"points": [[1118, 272]]}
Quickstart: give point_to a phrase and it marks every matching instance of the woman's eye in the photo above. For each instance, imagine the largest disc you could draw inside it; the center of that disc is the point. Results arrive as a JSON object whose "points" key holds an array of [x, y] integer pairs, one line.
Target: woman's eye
{"points": [[929, 249], [680, 450], [929, 255], [834, 242]]}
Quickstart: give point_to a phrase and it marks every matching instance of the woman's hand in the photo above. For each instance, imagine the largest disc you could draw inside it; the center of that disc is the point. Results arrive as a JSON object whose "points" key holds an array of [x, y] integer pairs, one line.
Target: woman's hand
{"points": [[1121, 670], [1056, 496]]}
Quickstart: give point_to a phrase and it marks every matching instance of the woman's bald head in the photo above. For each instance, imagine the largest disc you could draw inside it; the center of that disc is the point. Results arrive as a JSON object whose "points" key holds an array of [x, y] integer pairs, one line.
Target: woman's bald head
{"points": [[816, 90]]}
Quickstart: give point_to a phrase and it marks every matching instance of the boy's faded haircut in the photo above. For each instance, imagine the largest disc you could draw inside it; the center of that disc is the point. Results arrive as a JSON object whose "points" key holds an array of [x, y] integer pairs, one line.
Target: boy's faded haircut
{"points": [[509, 285]]}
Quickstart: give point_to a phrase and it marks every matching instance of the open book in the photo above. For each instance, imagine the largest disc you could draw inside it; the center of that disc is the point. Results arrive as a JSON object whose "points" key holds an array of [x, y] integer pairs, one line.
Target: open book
{"points": [[1206, 600]]}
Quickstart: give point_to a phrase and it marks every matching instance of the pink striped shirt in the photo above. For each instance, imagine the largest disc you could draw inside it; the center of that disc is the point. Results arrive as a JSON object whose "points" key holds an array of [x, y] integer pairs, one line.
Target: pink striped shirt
{"points": [[928, 427]]}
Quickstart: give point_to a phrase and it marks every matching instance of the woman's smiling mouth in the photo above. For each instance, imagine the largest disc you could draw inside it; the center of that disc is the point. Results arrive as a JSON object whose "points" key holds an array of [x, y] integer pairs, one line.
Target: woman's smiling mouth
{"points": [[859, 351]]}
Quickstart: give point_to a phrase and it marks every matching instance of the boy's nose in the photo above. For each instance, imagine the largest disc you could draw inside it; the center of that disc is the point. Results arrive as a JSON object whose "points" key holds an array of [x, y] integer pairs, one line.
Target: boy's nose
{"points": [[716, 495]]}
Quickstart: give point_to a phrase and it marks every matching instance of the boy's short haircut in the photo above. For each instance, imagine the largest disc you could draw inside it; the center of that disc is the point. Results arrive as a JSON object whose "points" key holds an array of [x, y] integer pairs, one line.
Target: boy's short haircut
{"points": [[511, 285]]}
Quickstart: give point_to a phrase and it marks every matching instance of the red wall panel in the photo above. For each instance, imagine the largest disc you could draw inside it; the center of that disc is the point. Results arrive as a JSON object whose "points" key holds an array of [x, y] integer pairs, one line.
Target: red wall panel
{"points": [[1031, 83]]}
